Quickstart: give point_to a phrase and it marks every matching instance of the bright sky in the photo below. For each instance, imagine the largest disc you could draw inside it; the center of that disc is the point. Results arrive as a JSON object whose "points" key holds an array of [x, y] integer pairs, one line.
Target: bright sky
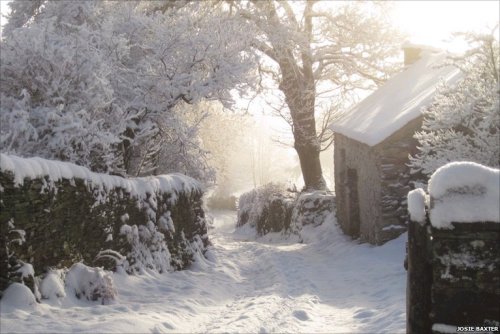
{"points": [[431, 22], [428, 22]]}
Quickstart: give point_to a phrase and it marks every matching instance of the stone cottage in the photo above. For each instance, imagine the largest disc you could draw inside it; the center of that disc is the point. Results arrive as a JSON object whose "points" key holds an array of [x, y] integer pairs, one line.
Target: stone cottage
{"points": [[372, 144]]}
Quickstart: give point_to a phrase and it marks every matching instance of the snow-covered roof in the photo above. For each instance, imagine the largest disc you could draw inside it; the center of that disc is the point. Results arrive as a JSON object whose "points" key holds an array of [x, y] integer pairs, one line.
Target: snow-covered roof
{"points": [[398, 101]]}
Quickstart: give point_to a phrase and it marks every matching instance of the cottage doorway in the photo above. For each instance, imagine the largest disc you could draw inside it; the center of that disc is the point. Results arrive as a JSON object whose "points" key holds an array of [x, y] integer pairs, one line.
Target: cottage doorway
{"points": [[352, 201]]}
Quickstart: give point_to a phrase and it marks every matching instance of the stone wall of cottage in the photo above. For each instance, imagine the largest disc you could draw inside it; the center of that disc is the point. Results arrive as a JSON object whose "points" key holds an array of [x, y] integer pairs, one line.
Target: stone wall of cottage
{"points": [[396, 179], [383, 181], [357, 188]]}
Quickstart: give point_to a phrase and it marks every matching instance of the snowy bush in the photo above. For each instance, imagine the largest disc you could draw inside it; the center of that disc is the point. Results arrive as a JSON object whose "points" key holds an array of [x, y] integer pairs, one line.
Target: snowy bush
{"points": [[267, 208], [93, 284], [463, 122], [312, 208], [148, 248], [52, 285], [102, 84]]}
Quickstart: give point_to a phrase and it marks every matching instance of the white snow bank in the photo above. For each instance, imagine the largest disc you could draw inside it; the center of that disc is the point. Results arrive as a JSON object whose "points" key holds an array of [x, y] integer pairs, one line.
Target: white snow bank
{"points": [[57, 170], [464, 192], [399, 101], [17, 295], [416, 205]]}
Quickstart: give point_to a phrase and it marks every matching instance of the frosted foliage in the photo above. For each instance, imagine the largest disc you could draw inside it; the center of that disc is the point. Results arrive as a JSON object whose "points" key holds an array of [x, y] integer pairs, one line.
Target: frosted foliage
{"points": [[464, 192], [463, 122], [90, 283], [101, 83], [149, 248], [252, 203], [26, 270], [52, 286]]}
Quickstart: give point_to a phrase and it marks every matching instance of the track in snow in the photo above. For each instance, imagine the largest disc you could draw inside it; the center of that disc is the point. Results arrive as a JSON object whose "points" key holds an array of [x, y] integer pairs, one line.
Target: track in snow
{"points": [[328, 284]]}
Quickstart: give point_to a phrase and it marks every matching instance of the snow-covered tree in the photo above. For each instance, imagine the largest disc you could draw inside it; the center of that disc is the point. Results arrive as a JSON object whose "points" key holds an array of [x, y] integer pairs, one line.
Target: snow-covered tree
{"points": [[463, 122], [55, 86], [102, 83], [308, 47]]}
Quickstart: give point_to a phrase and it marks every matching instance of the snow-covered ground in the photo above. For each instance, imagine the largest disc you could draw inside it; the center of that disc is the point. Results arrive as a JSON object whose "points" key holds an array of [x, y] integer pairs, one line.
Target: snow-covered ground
{"points": [[326, 284]]}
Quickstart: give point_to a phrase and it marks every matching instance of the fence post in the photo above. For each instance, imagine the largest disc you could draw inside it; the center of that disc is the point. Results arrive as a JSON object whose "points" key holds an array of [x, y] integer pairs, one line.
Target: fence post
{"points": [[419, 280]]}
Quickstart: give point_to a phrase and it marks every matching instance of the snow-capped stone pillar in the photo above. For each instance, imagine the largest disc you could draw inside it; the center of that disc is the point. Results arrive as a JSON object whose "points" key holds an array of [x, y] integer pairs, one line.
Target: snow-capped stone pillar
{"points": [[453, 250]]}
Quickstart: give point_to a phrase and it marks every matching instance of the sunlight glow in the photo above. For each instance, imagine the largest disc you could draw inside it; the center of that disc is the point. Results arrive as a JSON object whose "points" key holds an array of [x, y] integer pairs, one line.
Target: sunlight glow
{"points": [[432, 22]]}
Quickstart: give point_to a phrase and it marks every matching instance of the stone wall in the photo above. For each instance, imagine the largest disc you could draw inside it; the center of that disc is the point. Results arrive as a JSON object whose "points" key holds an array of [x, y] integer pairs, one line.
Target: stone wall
{"points": [[54, 222], [465, 265], [453, 281], [453, 277]]}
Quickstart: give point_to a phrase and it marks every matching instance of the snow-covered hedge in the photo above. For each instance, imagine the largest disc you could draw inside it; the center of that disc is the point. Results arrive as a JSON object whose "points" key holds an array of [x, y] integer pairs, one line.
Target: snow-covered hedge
{"points": [[267, 208], [272, 208], [54, 214], [313, 208]]}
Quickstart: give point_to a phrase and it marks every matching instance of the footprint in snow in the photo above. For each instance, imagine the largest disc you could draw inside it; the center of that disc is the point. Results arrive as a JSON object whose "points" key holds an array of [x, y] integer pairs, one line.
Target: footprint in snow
{"points": [[168, 325], [362, 314], [301, 315]]}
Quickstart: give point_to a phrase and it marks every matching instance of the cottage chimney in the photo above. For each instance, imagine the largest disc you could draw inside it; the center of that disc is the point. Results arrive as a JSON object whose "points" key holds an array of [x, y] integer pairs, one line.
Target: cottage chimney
{"points": [[412, 53]]}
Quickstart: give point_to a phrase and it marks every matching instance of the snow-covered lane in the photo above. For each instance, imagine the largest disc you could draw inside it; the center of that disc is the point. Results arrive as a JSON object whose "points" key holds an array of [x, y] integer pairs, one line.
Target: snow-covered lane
{"points": [[326, 284]]}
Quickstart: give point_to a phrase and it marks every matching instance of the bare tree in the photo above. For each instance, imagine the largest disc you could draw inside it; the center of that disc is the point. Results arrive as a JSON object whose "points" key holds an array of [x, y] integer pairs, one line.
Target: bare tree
{"points": [[303, 44]]}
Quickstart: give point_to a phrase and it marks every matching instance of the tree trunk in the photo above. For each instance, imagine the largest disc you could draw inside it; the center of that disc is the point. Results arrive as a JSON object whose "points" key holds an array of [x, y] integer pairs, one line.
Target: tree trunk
{"points": [[300, 95], [311, 167]]}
